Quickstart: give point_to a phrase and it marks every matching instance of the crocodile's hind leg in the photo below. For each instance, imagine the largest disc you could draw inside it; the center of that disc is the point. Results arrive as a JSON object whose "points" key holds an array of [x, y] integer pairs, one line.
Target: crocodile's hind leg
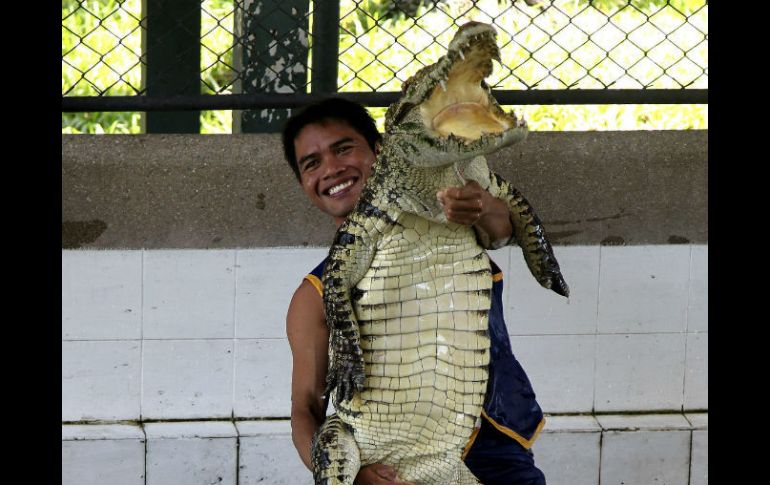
{"points": [[334, 454]]}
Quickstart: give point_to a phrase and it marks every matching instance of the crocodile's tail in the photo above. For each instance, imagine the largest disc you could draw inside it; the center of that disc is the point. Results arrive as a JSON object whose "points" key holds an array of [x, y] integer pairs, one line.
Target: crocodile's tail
{"points": [[334, 453], [529, 234]]}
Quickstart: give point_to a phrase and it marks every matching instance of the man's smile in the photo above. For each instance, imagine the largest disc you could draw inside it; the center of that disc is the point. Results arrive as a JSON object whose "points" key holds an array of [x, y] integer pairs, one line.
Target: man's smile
{"points": [[341, 188]]}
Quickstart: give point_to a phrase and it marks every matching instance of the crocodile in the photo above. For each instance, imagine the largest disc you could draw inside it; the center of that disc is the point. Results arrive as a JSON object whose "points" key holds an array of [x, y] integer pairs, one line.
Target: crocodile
{"points": [[407, 293]]}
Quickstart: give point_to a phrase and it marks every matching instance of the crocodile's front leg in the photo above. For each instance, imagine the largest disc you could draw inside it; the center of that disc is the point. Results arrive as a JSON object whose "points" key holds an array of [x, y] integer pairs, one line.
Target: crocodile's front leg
{"points": [[334, 453], [529, 234], [349, 258]]}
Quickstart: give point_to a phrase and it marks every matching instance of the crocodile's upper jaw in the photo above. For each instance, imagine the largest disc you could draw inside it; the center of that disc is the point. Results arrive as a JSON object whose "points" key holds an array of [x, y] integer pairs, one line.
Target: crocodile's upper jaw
{"points": [[454, 102], [459, 105]]}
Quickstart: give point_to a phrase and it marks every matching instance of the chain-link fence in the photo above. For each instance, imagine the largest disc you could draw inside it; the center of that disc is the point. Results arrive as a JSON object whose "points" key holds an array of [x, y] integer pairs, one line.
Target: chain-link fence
{"points": [[164, 55], [268, 45]]}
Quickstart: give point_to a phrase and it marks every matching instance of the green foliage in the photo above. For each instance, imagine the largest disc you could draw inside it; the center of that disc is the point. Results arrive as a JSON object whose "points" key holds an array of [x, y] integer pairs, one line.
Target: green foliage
{"points": [[100, 54]]}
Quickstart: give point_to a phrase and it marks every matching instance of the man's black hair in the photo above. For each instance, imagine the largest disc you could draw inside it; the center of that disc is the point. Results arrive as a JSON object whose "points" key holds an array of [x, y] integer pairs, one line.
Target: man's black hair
{"points": [[336, 109]]}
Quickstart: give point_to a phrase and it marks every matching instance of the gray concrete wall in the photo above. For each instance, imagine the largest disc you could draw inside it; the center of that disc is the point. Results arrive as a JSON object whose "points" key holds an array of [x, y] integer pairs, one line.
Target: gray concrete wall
{"points": [[236, 191]]}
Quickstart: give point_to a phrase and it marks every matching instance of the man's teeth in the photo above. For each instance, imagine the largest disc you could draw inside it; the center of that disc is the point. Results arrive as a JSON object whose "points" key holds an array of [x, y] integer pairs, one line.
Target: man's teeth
{"points": [[339, 187]]}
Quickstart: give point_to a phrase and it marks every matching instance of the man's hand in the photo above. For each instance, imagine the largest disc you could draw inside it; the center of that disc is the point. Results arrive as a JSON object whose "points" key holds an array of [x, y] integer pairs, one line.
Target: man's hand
{"points": [[471, 205], [378, 474]]}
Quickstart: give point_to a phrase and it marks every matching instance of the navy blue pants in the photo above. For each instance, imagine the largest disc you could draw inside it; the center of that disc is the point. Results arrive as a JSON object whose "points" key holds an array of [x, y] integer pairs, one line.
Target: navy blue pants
{"points": [[497, 459]]}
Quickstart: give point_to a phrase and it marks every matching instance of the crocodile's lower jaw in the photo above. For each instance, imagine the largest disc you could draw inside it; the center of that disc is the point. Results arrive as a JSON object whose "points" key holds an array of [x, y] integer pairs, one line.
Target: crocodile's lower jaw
{"points": [[468, 120]]}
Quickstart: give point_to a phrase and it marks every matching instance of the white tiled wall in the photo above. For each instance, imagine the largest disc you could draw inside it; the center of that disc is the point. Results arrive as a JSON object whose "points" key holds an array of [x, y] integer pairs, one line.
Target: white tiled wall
{"points": [[187, 379], [265, 282], [101, 295], [189, 334], [697, 309], [95, 455], [188, 294], [101, 380], [571, 450], [696, 391], [643, 289], [568, 450], [267, 455], [561, 369], [533, 310], [191, 453], [638, 372], [262, 378]]}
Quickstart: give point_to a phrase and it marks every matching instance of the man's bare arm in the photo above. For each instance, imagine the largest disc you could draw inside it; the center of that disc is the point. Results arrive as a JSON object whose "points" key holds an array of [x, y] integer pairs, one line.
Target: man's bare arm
{"points": [[309, 340]]}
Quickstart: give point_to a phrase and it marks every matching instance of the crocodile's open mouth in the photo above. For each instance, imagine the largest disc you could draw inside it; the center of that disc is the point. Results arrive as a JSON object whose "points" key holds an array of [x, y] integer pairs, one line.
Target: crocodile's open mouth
{"points": [[459, 104]]}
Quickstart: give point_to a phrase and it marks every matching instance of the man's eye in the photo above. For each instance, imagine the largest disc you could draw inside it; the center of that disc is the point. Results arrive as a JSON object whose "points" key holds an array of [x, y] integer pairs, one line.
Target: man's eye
{"points": [[309, 164], [344, 149]]}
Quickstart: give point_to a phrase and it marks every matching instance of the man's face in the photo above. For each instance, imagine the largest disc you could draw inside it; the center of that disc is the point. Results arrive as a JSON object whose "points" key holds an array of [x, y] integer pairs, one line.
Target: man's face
{"points": [[334, 162]]}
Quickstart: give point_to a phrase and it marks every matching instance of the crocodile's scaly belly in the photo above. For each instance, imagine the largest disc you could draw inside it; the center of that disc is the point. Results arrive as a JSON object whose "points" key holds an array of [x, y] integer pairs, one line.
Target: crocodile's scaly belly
{"points": [[423, 310]]}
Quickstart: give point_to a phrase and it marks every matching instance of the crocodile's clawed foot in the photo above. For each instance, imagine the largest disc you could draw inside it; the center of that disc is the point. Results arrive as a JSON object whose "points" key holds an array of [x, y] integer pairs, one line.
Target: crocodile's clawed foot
{"points": [[347, 376], [558, 285]]}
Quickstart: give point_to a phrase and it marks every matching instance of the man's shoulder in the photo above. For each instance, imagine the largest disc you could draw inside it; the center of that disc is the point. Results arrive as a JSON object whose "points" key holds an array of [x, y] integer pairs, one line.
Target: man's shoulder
{"points": [[314, 277]]}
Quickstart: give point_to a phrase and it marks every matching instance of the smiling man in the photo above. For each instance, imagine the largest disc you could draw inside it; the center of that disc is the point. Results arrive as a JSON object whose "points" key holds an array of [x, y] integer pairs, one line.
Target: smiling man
{"points": [[331, 146]]}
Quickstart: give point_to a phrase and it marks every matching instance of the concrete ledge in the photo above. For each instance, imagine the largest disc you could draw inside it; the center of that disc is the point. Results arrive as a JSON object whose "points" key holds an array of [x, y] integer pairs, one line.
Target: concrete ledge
{"points": [[647, 448], [236, 191]]}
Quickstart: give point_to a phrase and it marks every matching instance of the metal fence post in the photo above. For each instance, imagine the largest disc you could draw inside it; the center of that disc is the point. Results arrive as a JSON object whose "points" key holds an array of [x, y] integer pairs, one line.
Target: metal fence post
{"points": [[274, 39], [326, 41], [172, 48]]}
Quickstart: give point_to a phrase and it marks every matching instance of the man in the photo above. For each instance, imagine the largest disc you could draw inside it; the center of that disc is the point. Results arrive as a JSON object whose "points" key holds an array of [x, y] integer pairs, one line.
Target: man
{"points": [[331, 146]]}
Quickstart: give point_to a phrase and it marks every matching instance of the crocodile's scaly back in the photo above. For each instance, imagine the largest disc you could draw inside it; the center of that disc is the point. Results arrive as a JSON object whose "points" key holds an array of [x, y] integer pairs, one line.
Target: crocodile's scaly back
{"points": [[407, 293]]}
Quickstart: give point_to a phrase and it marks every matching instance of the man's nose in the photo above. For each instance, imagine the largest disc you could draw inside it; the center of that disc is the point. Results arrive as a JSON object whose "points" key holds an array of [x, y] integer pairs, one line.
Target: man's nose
{"points": [[333, 166]]}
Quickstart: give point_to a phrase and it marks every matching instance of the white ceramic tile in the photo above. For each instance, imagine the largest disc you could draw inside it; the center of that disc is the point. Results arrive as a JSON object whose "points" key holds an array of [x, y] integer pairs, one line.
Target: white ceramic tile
{"points": [[262, 428], [633, 422], [100, 380], [699, 464], [643, 289], [96, 462], [267, 455], [190, 429], [191, 461], [696, 385], [568, 458], [697, 308], [187, 379], [639, 372], [645, 457], [571, 424], [74, 432], [698, 420], [101, 295], [189, 294], [262, 378], [533, 310], [265, 282], [560, 368]]}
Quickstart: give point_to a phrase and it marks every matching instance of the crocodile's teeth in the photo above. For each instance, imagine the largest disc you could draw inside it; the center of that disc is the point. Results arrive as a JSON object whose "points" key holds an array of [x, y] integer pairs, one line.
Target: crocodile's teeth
{"points": [[443, 85], [462, 56]]}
